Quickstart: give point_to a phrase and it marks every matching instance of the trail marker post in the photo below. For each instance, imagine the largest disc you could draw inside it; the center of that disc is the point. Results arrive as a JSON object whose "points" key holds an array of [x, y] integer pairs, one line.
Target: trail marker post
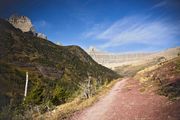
{"points": [[26, 86]]}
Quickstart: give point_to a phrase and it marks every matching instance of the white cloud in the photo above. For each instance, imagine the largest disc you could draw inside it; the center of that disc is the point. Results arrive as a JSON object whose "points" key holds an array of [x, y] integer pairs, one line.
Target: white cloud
{"points": [[58, 43], [135, 29]]}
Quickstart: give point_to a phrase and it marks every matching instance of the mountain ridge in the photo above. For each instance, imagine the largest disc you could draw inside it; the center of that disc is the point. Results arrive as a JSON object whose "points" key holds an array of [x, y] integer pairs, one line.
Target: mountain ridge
{"points": [[113, 60]]}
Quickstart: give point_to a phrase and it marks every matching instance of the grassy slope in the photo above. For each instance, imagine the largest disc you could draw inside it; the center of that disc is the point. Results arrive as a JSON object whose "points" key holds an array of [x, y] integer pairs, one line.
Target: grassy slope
{"points": [[66, 110], [131, 70], [165, 77], [55, 72]]}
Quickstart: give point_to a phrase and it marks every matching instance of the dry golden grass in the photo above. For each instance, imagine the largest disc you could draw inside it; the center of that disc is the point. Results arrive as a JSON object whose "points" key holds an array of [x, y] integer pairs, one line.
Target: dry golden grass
{"points": [[143, 79], [66, 110], [140, 75]]}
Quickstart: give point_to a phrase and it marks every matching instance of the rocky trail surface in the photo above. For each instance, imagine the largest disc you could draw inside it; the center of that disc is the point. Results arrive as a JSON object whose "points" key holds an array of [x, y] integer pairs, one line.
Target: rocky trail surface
{"points": [[125, 101]]}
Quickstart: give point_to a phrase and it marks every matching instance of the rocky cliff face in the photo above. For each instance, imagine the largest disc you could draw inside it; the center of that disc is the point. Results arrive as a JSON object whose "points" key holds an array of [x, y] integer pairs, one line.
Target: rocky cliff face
{"points": [[21, 22], [25, 25]]}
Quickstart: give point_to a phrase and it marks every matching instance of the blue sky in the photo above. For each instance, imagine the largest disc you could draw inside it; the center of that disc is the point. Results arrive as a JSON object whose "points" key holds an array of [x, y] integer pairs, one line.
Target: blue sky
{"points": [[109, 25]]}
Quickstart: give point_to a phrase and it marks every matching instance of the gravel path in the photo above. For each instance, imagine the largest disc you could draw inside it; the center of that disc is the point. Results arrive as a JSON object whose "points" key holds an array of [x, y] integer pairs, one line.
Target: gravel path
{"points": [[126, 102]]}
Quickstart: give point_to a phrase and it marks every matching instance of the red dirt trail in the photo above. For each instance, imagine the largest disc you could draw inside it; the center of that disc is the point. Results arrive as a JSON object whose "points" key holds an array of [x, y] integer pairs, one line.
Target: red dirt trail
{"points": [[126, 102]]}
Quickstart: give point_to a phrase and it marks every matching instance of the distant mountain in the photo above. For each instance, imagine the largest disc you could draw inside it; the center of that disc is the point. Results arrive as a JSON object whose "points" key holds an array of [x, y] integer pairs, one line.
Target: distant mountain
{"points": [[168, 53], [112, 60], [56, 73]]}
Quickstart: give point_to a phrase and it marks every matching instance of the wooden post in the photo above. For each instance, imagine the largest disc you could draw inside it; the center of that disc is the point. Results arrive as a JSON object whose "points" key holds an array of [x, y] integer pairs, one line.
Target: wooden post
{"points": [[26, 86]]}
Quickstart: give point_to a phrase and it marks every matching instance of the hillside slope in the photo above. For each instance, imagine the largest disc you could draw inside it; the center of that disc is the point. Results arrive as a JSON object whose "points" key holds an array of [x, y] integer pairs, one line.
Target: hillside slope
{"points": [[165, 78], [56, 73]]}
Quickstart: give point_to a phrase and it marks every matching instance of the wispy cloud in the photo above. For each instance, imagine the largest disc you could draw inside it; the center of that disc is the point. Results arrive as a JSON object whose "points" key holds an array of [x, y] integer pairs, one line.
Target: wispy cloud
{"points": [[160, 4], [41, 24], [135, 29], [95, 30]]}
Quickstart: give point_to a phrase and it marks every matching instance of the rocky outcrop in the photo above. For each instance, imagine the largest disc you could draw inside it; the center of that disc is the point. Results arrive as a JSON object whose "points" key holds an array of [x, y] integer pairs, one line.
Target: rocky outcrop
{"points": [[21, 22], [41, 35], [25, 25]]}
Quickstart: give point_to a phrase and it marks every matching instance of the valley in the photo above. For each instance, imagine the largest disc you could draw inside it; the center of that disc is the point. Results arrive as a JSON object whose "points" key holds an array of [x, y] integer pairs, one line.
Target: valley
{"points": [[70, 83]]}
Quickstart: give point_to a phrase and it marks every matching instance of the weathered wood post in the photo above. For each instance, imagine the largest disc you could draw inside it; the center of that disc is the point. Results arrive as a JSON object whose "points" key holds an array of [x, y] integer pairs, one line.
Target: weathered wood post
{"points": [[26, 86]]}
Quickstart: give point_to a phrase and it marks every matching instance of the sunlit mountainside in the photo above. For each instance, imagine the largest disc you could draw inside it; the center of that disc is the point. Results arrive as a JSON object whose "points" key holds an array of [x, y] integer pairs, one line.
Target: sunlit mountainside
{"points": [[56, 73]]}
